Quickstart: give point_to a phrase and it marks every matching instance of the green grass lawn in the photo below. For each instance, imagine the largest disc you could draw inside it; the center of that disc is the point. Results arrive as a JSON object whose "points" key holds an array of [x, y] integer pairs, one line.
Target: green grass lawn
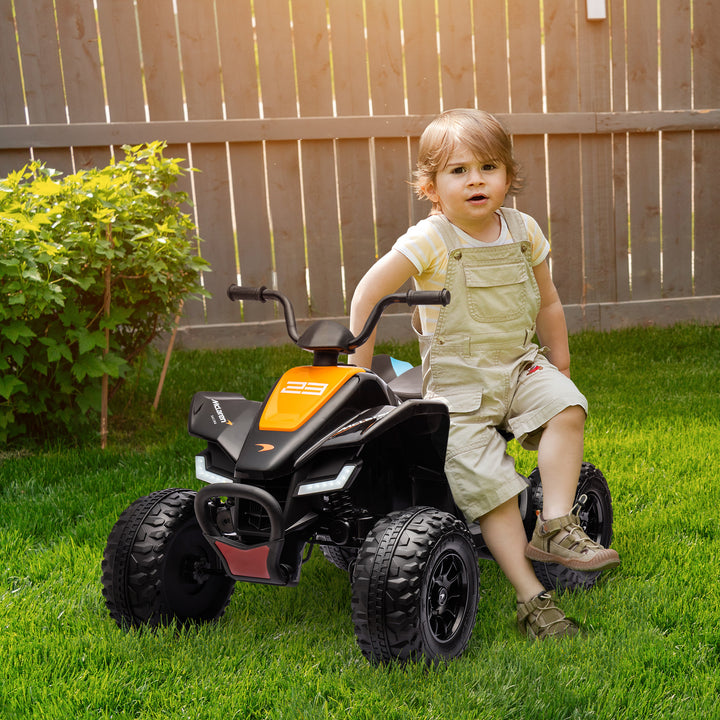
{"points": [[651, 641]]}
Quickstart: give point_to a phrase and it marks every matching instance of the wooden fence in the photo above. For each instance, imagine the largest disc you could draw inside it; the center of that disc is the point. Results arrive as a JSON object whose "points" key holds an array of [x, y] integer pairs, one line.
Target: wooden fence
{"points": [[303, 118]]}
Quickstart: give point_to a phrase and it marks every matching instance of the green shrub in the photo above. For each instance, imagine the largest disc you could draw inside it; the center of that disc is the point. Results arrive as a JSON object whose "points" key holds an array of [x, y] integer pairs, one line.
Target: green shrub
{"points": [[63, 243]]}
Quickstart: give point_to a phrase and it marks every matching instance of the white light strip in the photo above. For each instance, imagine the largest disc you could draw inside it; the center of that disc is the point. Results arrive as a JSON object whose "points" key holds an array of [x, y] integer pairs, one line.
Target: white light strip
{"points": [[202, 473], [337, 483]]}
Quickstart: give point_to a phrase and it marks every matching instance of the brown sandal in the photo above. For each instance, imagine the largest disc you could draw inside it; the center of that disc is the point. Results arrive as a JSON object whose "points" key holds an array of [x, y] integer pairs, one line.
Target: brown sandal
{"points": [[540, 618], [563, 541]]}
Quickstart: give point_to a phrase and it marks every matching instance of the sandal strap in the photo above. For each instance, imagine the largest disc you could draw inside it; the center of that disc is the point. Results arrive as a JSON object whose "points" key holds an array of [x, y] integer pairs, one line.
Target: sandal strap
{"points": [[574, 538], [543, 618]]}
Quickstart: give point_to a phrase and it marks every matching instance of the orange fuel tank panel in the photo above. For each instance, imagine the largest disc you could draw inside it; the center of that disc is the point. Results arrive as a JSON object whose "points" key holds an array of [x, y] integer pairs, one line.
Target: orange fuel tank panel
{"points": [[300, 393]]}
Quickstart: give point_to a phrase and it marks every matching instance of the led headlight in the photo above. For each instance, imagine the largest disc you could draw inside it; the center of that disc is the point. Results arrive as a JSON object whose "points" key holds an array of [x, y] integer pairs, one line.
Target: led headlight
{"points": [[202, 473], [323, 486]]}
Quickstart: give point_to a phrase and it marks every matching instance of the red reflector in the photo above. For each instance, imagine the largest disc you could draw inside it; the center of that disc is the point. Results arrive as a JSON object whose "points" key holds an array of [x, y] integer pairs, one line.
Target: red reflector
{"points": [[246, 563]]}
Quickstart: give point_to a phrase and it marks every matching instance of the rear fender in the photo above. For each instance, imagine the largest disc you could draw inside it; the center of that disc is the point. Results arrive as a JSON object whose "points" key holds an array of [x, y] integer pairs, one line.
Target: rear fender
{"points": [[414, 417], [406, 442]]}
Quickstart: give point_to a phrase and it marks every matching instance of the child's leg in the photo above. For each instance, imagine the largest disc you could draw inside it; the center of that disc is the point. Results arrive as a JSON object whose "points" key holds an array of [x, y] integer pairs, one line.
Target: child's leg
{"points": [[504, 534], [560, 455], [558, 537]]}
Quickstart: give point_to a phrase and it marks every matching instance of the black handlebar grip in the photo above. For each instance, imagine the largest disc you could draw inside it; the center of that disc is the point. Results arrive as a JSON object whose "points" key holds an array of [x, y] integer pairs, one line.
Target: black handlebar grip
{"points": [[428, 297], [239, 292]]}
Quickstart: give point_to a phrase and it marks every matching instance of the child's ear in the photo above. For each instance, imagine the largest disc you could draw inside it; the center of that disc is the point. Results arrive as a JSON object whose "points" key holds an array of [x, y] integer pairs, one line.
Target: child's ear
{"points": [[429, 192]]}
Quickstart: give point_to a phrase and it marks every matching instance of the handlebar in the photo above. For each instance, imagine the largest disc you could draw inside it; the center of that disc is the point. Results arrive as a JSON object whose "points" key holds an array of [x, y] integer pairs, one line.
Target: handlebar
{"points": [[241, 292], [262, 294], [411, 298]]}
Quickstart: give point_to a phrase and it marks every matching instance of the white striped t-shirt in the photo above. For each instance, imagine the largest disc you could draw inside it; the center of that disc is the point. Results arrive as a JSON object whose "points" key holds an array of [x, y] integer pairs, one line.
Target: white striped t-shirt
{"points": [[424, 247]]}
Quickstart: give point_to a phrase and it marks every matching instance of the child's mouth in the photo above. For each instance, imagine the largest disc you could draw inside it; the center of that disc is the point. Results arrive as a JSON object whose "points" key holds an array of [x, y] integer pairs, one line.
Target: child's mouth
{"points": [[477, 198]]}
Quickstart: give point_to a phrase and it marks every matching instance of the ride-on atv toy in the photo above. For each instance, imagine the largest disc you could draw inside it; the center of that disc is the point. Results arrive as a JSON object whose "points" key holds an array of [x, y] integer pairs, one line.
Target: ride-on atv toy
{"points": [[336, 456]]}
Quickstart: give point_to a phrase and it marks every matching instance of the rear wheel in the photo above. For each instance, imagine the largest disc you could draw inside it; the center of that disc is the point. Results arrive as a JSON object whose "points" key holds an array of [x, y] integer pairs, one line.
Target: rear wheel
{"points": [[594, 509], [415, 587], [158, 567], [341, 556]]}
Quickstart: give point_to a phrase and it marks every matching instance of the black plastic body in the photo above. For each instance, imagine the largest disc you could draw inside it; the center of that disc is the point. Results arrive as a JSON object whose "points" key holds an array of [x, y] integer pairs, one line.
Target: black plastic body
{"points": [[397, 450]]}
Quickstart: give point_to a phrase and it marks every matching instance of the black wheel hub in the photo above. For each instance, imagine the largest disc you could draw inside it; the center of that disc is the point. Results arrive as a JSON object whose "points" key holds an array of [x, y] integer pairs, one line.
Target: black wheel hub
{"points": [[446, 594], [591, 517]]}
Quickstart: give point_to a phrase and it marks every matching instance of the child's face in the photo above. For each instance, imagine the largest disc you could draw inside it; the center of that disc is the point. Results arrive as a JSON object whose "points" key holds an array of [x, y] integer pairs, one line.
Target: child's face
{"points": [[469, 190]]}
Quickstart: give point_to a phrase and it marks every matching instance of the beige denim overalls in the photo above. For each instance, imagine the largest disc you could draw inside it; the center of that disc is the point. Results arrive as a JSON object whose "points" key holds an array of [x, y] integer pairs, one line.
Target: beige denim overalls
{"points": [[482, 361]]}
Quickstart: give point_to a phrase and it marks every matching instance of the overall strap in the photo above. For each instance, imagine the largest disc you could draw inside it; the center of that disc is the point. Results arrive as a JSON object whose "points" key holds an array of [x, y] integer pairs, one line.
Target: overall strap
{"points": [[446, 232], [515, 223]]}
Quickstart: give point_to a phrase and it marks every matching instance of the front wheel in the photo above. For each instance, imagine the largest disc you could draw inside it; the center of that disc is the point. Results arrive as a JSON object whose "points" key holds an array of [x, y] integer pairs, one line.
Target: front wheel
{"points": [[594, 509], [415, 587], [158, 568]]}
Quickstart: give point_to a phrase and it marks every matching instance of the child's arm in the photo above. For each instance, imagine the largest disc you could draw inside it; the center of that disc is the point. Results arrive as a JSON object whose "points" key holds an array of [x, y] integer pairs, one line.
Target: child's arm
{"points": [[388, 274], [551, 327]]}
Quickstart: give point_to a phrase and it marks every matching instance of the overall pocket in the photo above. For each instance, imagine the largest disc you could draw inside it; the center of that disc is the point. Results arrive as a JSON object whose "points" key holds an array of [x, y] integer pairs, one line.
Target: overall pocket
{"points": [[496, 293]]}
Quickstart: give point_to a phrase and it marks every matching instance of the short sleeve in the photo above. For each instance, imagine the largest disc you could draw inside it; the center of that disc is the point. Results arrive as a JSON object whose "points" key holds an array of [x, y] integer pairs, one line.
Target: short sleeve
{"points": [[540, 244]]}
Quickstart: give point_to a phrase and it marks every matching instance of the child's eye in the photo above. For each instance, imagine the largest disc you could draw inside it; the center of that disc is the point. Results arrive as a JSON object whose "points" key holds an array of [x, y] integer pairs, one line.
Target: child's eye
{"points": [[488, 167], [458, 170]]}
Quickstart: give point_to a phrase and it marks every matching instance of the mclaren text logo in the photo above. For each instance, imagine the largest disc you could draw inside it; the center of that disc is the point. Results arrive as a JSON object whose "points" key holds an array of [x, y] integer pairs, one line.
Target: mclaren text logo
{"points": [[299, 387], [220, 413]]}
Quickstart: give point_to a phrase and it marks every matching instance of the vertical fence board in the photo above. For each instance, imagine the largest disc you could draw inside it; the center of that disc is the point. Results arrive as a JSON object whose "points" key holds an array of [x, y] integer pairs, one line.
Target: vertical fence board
{"points": [[42, 76], [163, 83], [422, 72], [642, 70], [13, 160], [353, 156], [564, 152], [598, 226], [77, 33], [201, 63], [706, 70], [41, 61], [277, 81], [393, 196], [315, 94], [201, 72], [421, 59], [526, 91], [121, 61], [12, 109], [385, 57], [212, 193], [457, 64], [619, 144], [159, 45], [237, 56], [491, 61], [253, 230], [12, 103], [240, 83], [676, 147]]}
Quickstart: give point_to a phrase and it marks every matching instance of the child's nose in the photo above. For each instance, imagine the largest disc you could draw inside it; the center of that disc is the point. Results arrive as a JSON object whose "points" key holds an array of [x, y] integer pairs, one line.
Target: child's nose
{"points": [[476, 176]]}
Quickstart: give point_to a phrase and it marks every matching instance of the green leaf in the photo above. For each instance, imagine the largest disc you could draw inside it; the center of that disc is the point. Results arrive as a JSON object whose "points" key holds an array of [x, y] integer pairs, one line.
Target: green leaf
{"points": [[88, 366], [90, 340], [9, 385], [56, 350], [15, 330], [46, 188]]}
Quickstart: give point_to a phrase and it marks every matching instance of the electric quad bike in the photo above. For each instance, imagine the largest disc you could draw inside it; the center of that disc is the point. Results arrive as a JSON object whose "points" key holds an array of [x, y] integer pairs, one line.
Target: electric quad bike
{"points": [[336, 456]]}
